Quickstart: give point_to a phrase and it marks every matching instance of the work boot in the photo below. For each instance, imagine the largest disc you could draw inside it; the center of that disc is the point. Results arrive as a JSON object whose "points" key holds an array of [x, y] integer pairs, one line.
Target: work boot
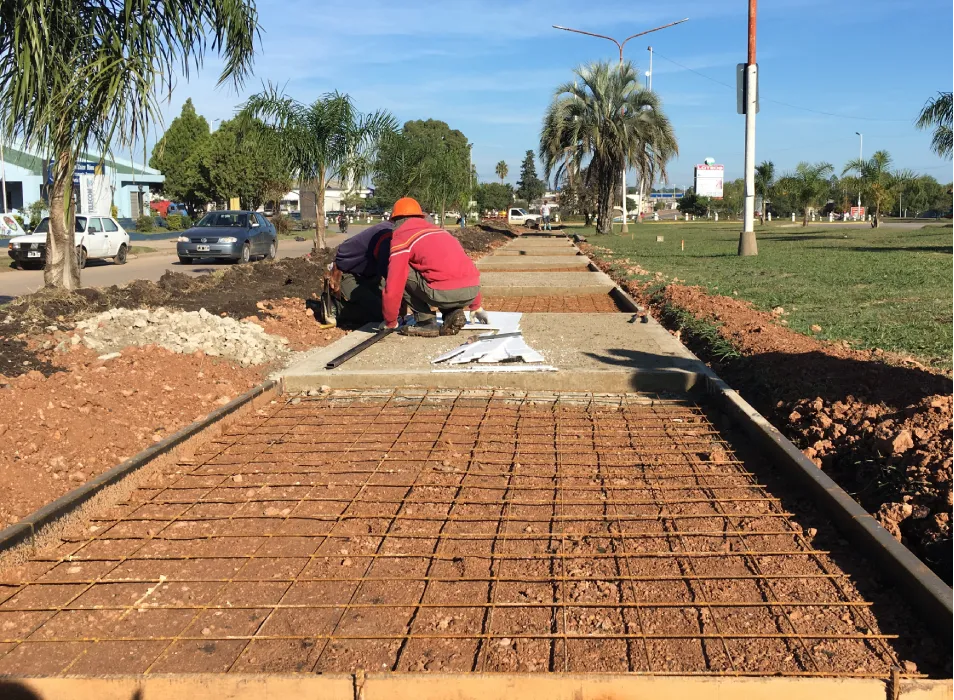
{"points": [[453, 322], [429, 329]]}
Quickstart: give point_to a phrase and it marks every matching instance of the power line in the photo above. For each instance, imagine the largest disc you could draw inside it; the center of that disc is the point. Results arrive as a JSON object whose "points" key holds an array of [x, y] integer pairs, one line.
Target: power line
{"points": [[779, 102]]}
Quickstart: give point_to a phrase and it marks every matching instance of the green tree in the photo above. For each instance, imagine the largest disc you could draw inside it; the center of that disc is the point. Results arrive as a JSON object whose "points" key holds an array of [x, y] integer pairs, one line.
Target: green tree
{"points": [[605, 119], [938, 114], [807, 185], [241, 160], [502, 170], [78, 75], [764, 181], [529, 186], [874, 175], [427, 160], [318, 141], [733, 198], [493, 195], [176, 155], [693, 204]]}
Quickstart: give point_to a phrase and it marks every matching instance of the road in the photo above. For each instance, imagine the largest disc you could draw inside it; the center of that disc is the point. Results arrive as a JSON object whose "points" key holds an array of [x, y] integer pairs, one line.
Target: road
{"points": [[101, 273]]}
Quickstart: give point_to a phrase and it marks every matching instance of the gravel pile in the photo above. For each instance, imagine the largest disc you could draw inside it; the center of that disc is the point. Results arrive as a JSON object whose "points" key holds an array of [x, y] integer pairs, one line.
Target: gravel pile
{"points": [[181, 332]]}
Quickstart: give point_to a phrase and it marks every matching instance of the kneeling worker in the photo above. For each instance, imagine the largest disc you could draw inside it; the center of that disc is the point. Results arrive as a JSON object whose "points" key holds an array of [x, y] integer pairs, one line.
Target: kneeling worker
{"points": [[428, 268], [357, 276]]}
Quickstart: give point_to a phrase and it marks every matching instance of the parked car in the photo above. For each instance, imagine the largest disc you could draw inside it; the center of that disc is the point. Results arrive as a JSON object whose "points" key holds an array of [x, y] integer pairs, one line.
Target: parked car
{"points": [[238, 236], [97, 238]]}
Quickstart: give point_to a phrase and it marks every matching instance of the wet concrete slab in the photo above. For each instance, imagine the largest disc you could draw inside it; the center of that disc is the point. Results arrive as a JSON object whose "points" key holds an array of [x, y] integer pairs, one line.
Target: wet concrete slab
{"points": [[544, 283], [514, 262]]}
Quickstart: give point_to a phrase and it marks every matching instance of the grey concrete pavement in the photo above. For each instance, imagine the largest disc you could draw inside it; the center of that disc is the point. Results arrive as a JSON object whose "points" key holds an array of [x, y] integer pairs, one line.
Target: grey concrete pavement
{"points": [[150, 266]]}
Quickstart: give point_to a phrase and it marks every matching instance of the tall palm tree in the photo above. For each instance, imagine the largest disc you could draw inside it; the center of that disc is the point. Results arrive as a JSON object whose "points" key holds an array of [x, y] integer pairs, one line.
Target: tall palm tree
{"points": [[764, 181], [808, 184], [78, 75], [502, 170], [938, 114], [326, 139], [875, 177], [601, 123]]}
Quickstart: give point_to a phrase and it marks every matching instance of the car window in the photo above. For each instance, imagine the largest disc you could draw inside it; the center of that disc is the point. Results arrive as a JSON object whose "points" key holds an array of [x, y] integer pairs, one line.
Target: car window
{"points": [[261, 220], [94, 226], [224, 218], [109, 226], [44, 225]]}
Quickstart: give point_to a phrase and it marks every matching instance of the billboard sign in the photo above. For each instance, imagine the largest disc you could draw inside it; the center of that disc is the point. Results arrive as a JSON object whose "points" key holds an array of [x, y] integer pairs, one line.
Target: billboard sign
{"points": [[858, 213], [708, 180], [95, 195]]}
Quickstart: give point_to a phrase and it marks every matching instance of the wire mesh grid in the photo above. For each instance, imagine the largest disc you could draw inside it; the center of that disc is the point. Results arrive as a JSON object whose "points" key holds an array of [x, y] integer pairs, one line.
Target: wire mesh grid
{"points": [[446, 530]]}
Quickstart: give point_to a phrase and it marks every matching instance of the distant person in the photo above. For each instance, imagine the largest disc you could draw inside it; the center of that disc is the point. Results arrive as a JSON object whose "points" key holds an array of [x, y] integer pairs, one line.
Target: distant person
{"points": [[429, 269], [462, 221], [352, 296], [545, 213], [343, 223]]}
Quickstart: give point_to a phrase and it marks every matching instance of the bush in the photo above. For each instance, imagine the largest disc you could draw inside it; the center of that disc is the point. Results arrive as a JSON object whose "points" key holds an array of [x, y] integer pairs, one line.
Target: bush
{"points": [[283, 224], [36, 213], [178, 222], [144, 224]]}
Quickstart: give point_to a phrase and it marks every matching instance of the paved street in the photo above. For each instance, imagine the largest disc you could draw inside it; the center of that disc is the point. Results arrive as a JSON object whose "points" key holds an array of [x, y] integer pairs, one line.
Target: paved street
{"points": [[152, 266]]}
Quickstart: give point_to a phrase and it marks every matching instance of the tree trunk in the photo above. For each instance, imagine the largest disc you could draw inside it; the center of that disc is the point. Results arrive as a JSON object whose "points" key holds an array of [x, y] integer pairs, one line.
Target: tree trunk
{"points": [[805, 217], [877, 217], [320, 211], [62, 270], [604, 219]]}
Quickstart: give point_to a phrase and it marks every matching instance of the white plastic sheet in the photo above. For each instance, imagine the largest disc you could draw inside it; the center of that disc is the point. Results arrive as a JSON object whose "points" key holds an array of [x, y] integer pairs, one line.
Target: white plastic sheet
{"points": [[490, 348]]}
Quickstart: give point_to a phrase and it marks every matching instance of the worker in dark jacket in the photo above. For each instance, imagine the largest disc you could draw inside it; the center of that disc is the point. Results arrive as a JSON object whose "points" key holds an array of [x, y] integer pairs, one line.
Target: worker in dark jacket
{"points": [[358, 274]]}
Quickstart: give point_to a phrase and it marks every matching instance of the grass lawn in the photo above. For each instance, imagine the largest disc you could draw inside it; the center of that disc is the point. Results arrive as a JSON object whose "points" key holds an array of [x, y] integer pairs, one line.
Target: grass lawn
{"points": [[140, 249], [886, 288]]}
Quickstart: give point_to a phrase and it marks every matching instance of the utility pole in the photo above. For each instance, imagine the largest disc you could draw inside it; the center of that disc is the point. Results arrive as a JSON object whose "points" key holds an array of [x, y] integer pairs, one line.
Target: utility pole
{"points": [[649, 74], [861, 159], [747, 242], [620, 45]]}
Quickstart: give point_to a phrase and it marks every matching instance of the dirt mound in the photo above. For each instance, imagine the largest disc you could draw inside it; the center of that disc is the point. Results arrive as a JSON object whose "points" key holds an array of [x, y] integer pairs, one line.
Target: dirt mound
{"points": [[290, 319], [480, 240], [877, 423]]}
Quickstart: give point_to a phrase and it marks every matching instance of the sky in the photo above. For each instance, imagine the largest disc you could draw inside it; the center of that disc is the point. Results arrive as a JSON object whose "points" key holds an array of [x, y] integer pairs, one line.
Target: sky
{"points": [[490, 67]]}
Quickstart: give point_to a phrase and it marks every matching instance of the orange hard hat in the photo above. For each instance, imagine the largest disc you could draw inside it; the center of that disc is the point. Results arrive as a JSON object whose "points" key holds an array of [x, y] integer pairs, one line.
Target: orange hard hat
{"points": [[406, 206]]}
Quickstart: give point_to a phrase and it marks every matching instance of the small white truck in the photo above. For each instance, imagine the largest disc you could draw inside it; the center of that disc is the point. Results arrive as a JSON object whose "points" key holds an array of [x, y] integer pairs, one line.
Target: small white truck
{"points": [[519, 217]]}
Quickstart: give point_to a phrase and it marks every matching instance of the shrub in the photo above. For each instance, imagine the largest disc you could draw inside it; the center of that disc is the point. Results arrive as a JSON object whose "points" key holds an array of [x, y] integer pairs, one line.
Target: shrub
{"points": [[36, 213], [144, 224], [283, 224], [176, 222]]}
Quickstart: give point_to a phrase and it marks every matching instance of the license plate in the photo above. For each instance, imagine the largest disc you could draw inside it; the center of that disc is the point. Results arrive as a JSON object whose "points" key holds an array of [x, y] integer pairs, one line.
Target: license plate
{"points": [[33, 253], [202, 248]]}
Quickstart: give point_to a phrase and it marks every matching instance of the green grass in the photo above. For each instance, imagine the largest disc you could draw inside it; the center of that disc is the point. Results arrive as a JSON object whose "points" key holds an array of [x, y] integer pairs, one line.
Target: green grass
{"points": [[140, 249], [886, 288]]}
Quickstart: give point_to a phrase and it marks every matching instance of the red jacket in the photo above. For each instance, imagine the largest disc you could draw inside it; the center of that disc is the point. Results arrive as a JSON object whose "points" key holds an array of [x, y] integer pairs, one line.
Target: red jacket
{"points": [[435, 254]]}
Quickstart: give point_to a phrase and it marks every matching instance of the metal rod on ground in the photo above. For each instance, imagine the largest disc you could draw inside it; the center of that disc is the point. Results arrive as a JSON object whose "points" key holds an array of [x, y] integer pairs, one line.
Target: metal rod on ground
{"points": [[359, 348], [747, 242]]}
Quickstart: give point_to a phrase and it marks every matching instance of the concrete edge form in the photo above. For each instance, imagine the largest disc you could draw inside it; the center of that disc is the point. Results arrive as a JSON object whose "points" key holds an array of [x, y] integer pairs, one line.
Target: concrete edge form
{"points": [[925, 589], [463, 686], [27, 528]]}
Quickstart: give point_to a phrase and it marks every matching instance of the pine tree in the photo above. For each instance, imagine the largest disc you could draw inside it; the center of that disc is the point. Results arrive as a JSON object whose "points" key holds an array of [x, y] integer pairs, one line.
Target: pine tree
{"points": [[529, 186], [177, 155]]}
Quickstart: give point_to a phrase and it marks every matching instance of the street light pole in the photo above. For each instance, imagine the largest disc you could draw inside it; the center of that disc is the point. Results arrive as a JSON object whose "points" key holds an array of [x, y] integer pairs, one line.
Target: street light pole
{"points": [[747, 242], [861, 158], [620, 45], [650, 73]]}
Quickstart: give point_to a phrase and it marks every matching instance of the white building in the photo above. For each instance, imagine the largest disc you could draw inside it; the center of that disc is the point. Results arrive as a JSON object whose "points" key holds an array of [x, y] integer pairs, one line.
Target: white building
{"points": [[27, 175]]}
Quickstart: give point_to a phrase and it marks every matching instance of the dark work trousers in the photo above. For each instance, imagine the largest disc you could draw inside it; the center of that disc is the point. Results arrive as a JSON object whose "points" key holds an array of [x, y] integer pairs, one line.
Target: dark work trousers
{"points": [[361, 299], [421, 297]]}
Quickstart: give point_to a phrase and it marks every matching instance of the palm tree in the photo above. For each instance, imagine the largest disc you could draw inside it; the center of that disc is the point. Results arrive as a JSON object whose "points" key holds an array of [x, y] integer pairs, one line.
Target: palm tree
{"points": [[78, 75], [326, 139], [875, 177], [764, 181], [939, 114], [808, 184], [606, 120], [502, 170]]}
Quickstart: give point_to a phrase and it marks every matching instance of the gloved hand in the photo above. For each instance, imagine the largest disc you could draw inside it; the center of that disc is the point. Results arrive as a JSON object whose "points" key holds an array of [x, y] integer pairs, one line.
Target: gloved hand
{"points": [[481, 316], [334, 281]]}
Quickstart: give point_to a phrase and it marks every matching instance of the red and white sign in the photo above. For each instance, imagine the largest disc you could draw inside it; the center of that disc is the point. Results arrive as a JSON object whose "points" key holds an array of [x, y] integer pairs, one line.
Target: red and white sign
{"points": [[858, 213], [709, 180]]}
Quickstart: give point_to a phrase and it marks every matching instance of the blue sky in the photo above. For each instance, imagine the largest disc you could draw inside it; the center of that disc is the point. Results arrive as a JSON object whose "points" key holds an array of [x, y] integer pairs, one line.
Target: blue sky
{"points": [[489, 68]]}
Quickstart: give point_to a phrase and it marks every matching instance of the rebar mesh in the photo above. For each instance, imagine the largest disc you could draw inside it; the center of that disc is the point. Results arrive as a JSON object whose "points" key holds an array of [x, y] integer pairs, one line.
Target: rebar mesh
{"points": [[446, 531]]}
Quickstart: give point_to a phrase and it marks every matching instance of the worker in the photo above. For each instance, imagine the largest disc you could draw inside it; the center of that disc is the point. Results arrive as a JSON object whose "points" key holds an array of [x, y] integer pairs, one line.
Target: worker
{"points": [[428, 268], [357, 277], [545, 214]]}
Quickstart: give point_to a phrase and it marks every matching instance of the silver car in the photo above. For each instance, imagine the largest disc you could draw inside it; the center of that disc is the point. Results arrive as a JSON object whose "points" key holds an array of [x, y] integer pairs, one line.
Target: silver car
{"points": [[237, 236]]}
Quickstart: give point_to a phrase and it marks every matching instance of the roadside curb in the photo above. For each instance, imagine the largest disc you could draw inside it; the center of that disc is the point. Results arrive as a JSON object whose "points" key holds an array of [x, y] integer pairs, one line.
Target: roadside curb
{"points": [[28, 528]]}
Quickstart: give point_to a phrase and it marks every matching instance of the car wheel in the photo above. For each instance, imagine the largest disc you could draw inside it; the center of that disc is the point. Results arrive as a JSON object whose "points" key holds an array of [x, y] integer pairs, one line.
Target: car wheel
{"points": [[121, 255], [246, 254], [81, 257], [273, 250], [184, 260]]}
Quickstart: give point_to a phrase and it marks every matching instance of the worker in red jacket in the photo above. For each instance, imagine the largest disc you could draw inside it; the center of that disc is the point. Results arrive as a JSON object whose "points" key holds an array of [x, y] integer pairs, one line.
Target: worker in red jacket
{"points": [[429, 269]]}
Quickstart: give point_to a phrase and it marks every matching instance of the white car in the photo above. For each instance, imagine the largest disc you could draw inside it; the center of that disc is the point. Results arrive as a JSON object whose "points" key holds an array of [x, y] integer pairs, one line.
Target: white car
{"points": [[520, 217], [97, 238]]}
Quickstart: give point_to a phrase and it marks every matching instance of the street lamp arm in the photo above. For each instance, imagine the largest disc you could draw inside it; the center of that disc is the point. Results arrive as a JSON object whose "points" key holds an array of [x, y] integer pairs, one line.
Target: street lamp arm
{"points": [[598, 36], [650, 31]]}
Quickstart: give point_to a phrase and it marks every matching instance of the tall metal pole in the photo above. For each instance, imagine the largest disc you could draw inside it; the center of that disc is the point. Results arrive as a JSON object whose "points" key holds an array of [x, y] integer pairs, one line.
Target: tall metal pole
{"points": [[747, 242], [861, 158], [620, 45], [650, 73]]}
